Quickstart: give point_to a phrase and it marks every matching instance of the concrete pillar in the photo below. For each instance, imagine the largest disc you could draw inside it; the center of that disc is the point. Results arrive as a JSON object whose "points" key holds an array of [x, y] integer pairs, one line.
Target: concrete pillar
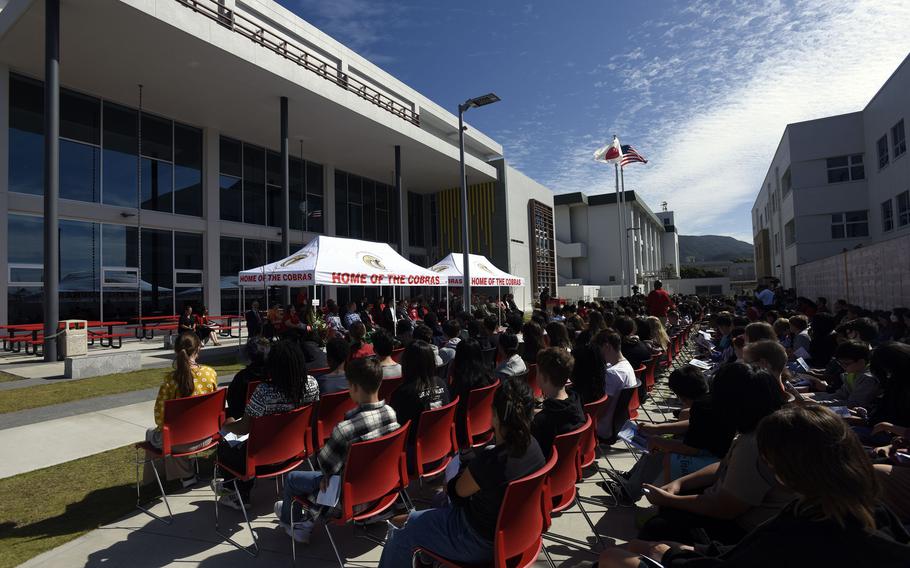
{"points": [[211, 264], [51, 174], [285, 192], [328, 216], [4, 194]]}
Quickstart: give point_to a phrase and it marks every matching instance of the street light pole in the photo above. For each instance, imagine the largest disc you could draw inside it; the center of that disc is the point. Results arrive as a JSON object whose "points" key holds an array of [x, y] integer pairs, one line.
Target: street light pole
{"points": [[480, 101]]}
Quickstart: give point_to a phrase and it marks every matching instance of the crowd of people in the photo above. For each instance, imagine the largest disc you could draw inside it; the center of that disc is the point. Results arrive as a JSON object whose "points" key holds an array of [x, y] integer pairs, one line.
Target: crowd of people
{"points": [[786, 445]]}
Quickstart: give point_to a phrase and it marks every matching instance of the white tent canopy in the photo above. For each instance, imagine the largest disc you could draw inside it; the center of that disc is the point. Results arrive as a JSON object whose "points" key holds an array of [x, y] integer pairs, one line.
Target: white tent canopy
{"points": [[334, 261], [483, 272]]}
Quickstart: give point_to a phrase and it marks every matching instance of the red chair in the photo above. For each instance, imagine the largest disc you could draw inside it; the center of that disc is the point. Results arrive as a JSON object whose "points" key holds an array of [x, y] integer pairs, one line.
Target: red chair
{"points": [[435, 444], [319, 372], [568, 471], [532, 380], [250, 389], [396, 354], [375, 475], [187, 421], [477, 428], [278, 443], [635, 401], [589, 444], [388, 386], [331, 411], [523, 518]]}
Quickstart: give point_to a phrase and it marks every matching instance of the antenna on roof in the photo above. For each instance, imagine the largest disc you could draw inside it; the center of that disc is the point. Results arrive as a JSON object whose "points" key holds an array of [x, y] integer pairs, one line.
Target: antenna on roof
{"points": [[663, 205]]}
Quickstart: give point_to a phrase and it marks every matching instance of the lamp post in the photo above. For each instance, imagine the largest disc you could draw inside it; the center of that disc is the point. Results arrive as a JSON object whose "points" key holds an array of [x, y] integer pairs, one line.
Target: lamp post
{"points": [[480, 101]]}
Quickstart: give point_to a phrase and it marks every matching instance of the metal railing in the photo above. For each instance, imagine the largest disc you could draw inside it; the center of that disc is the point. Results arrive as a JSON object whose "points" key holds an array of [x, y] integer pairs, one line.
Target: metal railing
{"points": [[282, 46]]}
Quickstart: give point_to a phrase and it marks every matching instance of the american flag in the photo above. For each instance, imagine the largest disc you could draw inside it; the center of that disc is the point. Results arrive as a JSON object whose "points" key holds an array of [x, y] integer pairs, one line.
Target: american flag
{"points": [[630, 155], [317, 214]]}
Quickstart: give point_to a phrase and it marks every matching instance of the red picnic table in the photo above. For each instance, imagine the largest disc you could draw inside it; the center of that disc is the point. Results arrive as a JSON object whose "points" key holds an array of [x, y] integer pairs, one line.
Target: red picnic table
{"points": [[147, 325], [109, 336], [227, 329], [13, 343]]}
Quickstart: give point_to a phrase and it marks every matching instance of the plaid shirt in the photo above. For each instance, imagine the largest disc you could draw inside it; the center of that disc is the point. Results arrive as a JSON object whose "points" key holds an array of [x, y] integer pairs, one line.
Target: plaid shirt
{"points": [[366, 422]]}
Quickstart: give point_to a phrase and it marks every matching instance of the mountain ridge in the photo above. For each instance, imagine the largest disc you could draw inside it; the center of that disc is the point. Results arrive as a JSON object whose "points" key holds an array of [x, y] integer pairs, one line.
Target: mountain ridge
{"points": [[712, 248]]}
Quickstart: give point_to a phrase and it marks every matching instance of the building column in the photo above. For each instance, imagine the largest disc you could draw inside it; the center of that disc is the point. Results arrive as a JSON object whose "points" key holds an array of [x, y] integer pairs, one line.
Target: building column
{"points": [[4, 194], [51, 174], [211, 264], [404, 242], [328, 216], [285, 193]]}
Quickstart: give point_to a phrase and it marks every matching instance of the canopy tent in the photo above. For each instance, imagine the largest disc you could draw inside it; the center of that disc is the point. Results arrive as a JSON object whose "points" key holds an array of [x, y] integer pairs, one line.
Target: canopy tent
{"points": [[483, 272], [335, 261]]}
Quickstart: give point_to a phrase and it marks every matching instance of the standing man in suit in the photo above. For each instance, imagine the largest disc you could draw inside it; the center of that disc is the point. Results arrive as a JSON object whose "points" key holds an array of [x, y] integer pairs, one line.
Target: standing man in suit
{"points": [[254, 320]]}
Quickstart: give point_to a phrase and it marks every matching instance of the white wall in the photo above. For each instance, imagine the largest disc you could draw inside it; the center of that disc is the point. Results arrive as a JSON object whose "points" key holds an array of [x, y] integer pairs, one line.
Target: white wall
{"points": [[520, 189], [688, 285]]}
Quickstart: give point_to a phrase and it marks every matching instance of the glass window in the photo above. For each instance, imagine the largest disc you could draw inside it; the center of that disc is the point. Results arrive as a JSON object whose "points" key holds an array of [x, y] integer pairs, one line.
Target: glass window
{"points": [[355, 190], [369, 210], [844, 168], [80, 171], [188, 249], [26, 239], [157, 272], [80, 117], [852, 224], [314, 213], [231, 202], [314, 179], [157, 185], [887, 215], [157, 137], [355, 221], [415, 219], [119, 256], [26, 135], [274, 251], [80, 270], [273, 168], [253, 185], [254, 254], [187, 170], [882, 147], [903, 209], [274, 208], [296, 195], [231, 264], [341, 204], [790, 232], [898, 138], [230, 157], [119, 159]]}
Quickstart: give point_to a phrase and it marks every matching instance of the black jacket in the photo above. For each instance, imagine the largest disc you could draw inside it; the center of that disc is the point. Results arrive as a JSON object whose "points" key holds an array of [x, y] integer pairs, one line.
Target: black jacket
{"points": [[555, 418]]}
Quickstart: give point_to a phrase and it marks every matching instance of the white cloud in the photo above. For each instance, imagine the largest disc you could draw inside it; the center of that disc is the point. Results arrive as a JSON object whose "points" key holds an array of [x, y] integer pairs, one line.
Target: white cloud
{"points": [[713, 94]]}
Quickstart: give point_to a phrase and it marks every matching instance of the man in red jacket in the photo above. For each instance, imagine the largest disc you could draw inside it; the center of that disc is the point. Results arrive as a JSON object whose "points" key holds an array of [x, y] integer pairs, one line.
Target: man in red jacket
{"points": [[659, 302]]}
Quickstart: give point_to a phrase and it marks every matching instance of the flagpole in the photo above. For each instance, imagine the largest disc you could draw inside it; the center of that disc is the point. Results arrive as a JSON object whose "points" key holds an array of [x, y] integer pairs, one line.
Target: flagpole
{"points": [[622, 192], [619, 220]]}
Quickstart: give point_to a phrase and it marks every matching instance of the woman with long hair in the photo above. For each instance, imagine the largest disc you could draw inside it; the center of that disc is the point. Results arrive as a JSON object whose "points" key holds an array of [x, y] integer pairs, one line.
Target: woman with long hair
{"points": [[463, 531], [468, 371], [659, 335], [187, 379], [596, 324], [836, 519], [359, 346], [420, 388], [289, 387], [532, 342], [205, 329], [558, 335]]}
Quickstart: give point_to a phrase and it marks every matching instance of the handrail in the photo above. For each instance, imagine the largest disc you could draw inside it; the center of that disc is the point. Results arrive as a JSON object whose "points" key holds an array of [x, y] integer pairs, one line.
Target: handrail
{"points": [[285, 48]]}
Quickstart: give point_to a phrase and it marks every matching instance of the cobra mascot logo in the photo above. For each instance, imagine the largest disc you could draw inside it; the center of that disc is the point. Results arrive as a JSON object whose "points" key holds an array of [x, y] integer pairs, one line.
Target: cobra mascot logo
{"points": [[439, 268], [372, 261], [485, 268], [295, 258]]}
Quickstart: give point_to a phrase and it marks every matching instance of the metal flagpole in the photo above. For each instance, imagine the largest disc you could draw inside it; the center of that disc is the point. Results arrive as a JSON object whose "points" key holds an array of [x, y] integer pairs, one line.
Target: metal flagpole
{"points": [[622, 192], [619, 220], [394, 313]]}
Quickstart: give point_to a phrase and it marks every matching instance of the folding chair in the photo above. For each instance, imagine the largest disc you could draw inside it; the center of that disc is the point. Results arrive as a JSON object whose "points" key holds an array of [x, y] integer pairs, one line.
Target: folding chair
{"points": [[277, 444], [435, 443], [330, 411], [187, 420], [489, 358], [388, 386], [532, 380], [563, 479], [523, 518], [375, 475], [588, 444], [476, 429]]}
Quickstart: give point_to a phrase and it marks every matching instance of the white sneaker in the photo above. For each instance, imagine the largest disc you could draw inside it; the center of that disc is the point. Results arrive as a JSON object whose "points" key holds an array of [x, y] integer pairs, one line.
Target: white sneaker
{"points": [[301, 531], [231, 500], [217, 486], [278, 506]]}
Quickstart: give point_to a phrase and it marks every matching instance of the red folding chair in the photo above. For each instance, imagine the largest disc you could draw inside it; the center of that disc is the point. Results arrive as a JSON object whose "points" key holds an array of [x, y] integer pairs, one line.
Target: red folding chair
{"points": [[523, 518], [388, 386], [435, 443], [396, 354], [187, 421], [278, 443], [477, 427], [375, 475], [566, 474], [589, 444], [532, 380], [250, 389], [331, 410]]}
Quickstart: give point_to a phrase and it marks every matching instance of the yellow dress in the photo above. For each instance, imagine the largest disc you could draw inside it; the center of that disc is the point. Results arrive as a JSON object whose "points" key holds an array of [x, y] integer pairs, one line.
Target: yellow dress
{"points": [[205, 380]]}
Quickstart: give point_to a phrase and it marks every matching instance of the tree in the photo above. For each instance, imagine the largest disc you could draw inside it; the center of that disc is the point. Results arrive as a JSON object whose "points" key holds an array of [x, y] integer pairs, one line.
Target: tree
{"points": [[696, 272]]}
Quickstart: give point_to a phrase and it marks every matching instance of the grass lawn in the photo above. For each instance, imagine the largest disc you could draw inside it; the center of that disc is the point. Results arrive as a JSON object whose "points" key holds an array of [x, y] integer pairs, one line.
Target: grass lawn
{"points": [[6, 377], [43, 509], [46, 395]]}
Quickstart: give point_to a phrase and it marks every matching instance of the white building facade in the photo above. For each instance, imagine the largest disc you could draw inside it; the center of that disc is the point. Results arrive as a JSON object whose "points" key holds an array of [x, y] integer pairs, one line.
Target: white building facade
{"points": [[835, 184], [589, 244], [174, 200]]}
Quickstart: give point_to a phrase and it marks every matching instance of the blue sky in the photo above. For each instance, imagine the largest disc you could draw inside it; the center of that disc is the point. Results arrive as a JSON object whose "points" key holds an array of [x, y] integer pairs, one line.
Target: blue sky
{"points": [[702, 88]]}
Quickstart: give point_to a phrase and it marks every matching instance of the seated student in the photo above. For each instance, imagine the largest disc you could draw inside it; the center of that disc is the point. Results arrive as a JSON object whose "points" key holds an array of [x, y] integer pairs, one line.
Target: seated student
{"points": [[533, 342], [371, 419], [561, 411], [759, 331], [768, 355], [425, 334], [205, 328], [452, 330], [187, 379], [824, 342], [468, 371], [383, 346], [782, 330], [799, 333], [432, 322], [351, 316], [836, 520], [596, 323], [633, 348], [463, 531], [511, 363], [726, 499], [315, 356], [420, 388], [657, 334], [860, 387], [558, 336], [289, 387], [673, 326], [257, 351], [490, 327], [337, 353], [724, 324], [706, 438], [617, 377], [359, 346], [186, 323]]}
